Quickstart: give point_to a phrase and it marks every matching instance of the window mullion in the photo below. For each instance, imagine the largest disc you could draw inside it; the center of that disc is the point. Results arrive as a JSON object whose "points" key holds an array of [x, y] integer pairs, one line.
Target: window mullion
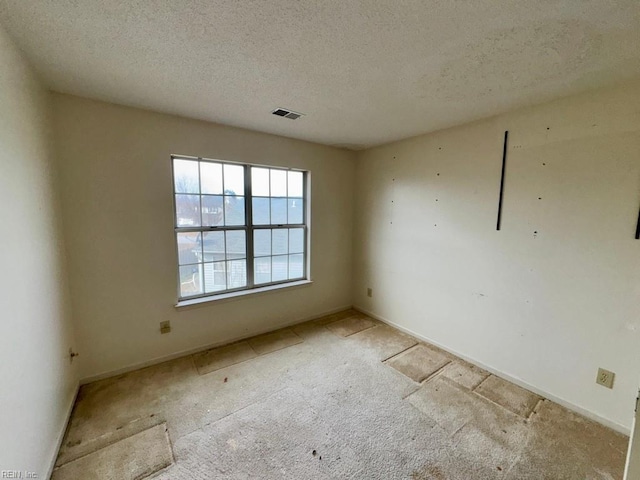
{"points": [[248, 212], [201, 264], [226, 257]]}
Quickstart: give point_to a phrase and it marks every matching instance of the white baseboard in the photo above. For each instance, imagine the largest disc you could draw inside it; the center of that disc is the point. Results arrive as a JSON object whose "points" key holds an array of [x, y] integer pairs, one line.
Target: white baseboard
{"points": [[191, 351], [571, 406], [63, 431]]}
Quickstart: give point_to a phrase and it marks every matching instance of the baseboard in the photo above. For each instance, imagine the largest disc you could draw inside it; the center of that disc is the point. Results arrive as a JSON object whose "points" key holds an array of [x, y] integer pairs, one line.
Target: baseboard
{"points": [[63, 431], [191, 351], [571, 406]]}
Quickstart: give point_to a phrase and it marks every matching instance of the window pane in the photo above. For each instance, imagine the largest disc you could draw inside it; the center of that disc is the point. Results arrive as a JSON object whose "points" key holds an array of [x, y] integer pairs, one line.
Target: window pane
{"points": [[233, 180], [261, 211], [187, 210], [215, 277], [236, 245], [280, 243], [211, 178], [296, 240], [261, 242], [185, 176], [278, 183], [236, 274], [213, 246], [234, 210], [189, 248], [296, 266], [278, 211], [296, 210], [279, 268], [260, 182], [262, 270], [212, 214], [190, 280], [212, 194], [295, 184]]}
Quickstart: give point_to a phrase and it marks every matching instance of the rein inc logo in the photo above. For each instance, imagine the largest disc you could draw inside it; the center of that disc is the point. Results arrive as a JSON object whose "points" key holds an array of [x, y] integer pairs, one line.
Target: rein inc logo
{"points": [[17, 474]]}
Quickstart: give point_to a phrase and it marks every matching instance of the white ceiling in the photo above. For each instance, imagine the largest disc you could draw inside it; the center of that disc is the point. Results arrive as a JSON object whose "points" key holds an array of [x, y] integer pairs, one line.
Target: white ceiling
{"points": [[364, 72]]}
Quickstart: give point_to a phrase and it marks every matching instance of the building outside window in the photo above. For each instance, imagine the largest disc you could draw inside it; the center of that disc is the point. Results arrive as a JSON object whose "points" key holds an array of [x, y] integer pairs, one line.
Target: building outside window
{"points": [[238, 226]]}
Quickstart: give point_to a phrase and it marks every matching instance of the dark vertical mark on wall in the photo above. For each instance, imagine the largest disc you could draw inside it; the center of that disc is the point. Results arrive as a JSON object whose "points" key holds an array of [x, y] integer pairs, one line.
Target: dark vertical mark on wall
{"points": [[638, 227], [504, 164]]}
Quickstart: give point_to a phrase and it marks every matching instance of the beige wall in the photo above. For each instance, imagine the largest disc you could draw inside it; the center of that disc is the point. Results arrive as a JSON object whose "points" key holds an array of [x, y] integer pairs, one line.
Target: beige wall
{"points": [[37, 381], [544, 302], [545, 308], [118, 212]]}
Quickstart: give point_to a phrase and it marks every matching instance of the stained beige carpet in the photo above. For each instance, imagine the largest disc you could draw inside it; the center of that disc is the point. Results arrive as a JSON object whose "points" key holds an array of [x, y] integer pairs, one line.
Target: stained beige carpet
{"points": [[419, 362], [218, 358], [350, 325], [384, 340], [510, 396], [277, 340], [465, 374], [134, 457], [338, 397]]}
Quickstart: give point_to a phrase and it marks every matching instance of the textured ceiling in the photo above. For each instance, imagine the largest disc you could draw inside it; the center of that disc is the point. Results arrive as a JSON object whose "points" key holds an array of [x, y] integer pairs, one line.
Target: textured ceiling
{"points": [[363, 72]]}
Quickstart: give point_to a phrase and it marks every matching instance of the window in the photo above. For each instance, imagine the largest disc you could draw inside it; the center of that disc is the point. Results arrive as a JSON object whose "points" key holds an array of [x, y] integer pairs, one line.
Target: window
{"points": [[238, 227]]}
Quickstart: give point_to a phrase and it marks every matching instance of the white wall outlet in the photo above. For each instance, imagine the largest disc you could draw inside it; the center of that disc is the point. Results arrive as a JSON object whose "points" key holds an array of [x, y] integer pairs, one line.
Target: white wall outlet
{"points": [[165, 327], [605, 378], [369, 292]]}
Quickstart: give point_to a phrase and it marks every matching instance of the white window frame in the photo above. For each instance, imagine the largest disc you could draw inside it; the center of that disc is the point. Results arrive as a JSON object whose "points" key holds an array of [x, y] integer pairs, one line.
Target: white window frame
{"points": [[249, 228]]}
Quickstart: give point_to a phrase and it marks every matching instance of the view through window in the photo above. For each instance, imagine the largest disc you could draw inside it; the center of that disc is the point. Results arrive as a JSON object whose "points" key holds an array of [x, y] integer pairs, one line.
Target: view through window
{"points": [[238, 227]]}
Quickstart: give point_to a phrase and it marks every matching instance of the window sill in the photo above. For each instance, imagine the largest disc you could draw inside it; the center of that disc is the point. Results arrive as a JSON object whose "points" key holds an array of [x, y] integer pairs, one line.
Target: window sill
{"points": [[242, 293]]}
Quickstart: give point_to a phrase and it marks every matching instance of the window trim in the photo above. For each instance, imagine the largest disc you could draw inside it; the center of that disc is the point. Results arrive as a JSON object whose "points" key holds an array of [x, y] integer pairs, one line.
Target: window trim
{"points": [[229, 296], [249, 228]]}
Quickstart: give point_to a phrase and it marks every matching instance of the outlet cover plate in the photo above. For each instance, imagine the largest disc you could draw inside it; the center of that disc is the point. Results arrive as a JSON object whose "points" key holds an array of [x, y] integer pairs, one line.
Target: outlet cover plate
{"points": [[165, 327], [369, 292], [605, 378]]}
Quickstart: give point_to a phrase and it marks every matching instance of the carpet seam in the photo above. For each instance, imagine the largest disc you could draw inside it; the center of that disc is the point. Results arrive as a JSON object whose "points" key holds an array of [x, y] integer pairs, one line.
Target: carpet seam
{"points": [[360, 331], [398, 353], [525, 419], [234, 412], [402, 352], [434, 374]]}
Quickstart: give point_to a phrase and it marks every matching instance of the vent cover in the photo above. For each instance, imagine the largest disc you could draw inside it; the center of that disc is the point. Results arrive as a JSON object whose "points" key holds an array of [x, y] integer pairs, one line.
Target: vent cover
{"points": [[282, 112]]}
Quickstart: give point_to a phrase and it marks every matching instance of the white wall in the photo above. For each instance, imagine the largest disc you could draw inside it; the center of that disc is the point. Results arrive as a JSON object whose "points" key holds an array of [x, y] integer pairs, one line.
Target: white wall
{"points": [[37, 381], [117, 205], [546, 309]]}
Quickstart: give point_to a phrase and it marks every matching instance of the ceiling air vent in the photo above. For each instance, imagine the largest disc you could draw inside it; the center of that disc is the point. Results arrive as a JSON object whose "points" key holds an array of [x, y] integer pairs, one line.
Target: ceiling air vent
{"points": [[281, 112]]}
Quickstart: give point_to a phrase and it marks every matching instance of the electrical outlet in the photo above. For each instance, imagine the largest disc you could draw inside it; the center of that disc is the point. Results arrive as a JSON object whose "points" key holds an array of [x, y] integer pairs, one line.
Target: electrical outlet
{"points": [[369, 292], [605, 378], [165, 327]]}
